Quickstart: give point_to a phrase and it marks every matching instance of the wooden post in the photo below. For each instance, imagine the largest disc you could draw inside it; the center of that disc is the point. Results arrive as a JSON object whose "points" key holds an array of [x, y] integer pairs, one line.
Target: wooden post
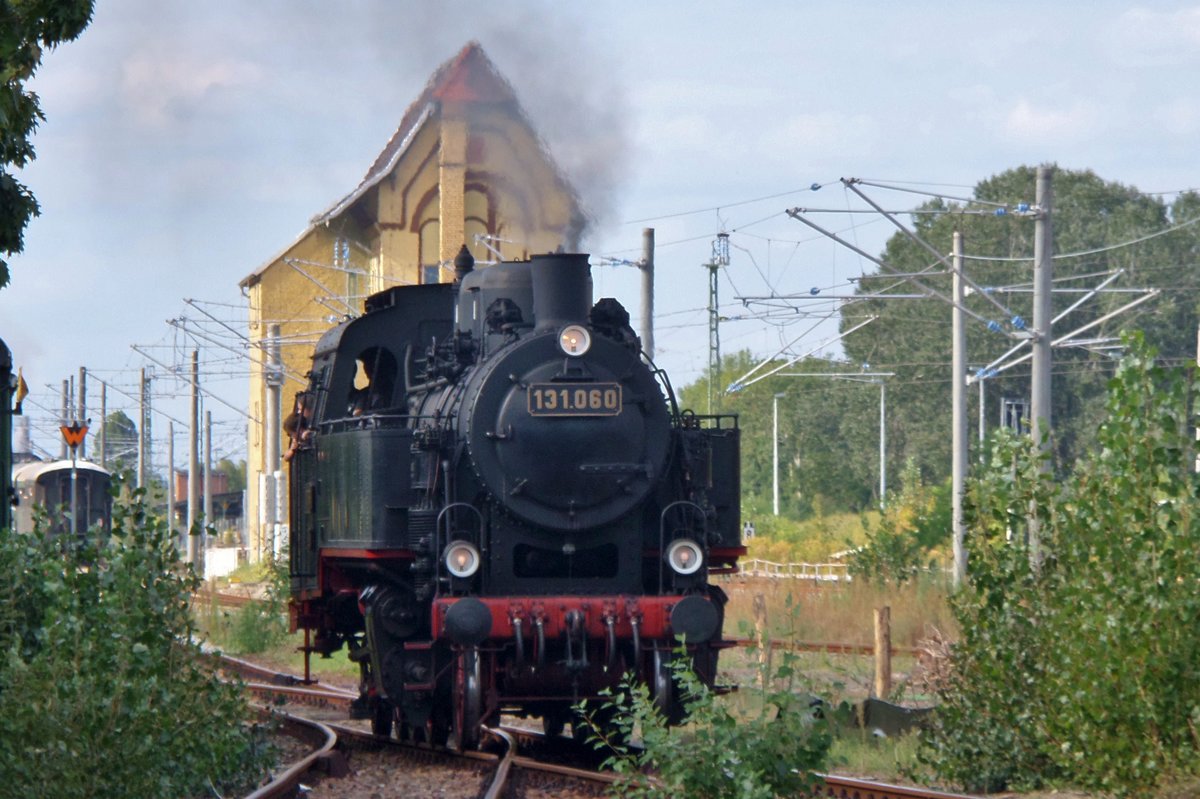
{"points": [[883, 652], [764, 643]]}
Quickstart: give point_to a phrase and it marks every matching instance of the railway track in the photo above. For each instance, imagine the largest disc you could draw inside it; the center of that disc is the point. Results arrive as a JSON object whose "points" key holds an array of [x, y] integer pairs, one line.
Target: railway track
{"points": [[366, 765], [850, 788], [358, 748], [320, 740], [500, 771], [222, 598]]}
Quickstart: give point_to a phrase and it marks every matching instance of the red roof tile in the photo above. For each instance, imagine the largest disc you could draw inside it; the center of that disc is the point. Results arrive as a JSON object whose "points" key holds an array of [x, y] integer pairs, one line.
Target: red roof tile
{"points": [[468, 77]]}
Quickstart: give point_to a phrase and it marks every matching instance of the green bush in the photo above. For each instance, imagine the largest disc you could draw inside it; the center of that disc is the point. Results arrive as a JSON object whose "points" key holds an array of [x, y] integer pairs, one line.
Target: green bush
{"points": [[257, 626], [913, 524], [101, 692], [767, 751], [1079, 662]]}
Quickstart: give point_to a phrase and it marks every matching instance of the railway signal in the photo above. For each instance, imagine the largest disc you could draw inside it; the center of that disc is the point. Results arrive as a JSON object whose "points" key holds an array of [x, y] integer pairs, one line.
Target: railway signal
{"points": [[74, 434]]}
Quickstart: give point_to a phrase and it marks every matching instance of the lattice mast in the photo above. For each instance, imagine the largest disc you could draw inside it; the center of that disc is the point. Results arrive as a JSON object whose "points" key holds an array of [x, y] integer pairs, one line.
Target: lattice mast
{"points": [[720, 258]]}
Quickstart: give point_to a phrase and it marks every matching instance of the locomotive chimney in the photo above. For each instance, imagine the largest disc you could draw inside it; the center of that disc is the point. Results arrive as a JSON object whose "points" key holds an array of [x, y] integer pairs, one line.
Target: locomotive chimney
{"points": [[562, 289]]}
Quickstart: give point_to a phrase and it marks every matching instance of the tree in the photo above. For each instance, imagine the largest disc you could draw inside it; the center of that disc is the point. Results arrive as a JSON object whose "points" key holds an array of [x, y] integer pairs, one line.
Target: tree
{"points": [[829, 428], [828, 431], [120, 441], [235, 472], [26, 28], [912, 337]]}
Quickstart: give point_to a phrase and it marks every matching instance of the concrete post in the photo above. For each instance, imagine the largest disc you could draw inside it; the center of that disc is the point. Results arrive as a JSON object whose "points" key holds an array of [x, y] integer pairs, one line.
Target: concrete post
{"points": [[1043, 276], [958, 402], [647, 269]]}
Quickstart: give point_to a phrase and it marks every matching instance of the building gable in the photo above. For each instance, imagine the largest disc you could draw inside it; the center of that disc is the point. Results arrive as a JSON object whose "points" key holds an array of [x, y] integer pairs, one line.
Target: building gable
{"points": [[465, 165]]}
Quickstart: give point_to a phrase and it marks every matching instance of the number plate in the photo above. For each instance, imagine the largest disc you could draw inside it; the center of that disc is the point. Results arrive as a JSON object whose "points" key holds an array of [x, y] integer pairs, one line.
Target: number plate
{"points": [[574, 399]]}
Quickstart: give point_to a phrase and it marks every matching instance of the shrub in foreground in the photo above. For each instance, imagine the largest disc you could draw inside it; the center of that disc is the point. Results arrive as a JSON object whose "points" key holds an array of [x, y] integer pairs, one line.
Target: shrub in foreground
{"points": [[768, 751], [101, 693], [1079, 662]]}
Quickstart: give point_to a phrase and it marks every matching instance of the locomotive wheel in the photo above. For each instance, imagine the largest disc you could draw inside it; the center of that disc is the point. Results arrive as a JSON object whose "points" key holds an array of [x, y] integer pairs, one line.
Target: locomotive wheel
{"points": [[409, 732], [438, 728], [704, 663], [666, 691], [553, 722], [382, 716], [468, 700]]}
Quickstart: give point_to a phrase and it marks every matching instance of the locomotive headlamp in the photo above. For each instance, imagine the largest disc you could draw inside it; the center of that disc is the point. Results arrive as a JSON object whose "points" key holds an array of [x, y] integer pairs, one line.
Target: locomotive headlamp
{"points": [[575, 340], [462, 558], [685, 556]]}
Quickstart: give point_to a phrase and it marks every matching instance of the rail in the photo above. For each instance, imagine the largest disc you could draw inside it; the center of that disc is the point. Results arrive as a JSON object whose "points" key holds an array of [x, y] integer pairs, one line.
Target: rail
{"points": [[321, 738]]}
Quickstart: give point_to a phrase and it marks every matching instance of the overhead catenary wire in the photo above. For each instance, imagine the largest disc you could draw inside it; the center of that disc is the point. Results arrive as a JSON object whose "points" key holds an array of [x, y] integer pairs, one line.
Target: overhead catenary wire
{"points": [[936, 195], [735, 204], [933, 293], [929, 248], [206, 392], [1096, 251]]}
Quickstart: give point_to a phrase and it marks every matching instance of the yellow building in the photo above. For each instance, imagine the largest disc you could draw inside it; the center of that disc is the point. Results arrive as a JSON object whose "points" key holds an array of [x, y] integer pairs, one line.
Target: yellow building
{"points": [[465, 166]]}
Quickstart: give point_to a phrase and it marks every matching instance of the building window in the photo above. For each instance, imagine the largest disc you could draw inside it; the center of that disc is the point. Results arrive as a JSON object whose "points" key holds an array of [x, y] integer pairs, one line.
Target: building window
{"points": [[431, 251]]}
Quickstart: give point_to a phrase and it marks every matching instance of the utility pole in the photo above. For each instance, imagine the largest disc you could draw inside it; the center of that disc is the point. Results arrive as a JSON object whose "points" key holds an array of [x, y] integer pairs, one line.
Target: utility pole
{"points": [[647, 269], [195, 554], [66, 413], [82, 417], [958, 403], [882, 443], [982, 420], [102, 436], [775, 449], [143, 455], [1043, 275], [271, 425], [171, 482], [208, 494], [720, 257]]}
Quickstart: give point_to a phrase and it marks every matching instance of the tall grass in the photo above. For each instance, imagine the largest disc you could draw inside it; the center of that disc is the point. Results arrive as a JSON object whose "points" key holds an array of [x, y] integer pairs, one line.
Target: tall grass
{"points": [[842, 612]]}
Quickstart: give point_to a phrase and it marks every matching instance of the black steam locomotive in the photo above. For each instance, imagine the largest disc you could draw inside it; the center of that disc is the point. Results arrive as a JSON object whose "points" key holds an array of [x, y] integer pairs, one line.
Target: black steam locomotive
{"points": [[498, 507]]}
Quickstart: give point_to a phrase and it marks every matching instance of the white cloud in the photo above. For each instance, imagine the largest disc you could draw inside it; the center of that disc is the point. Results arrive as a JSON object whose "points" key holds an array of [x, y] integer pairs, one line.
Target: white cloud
{"points": [[159, 88], [686, 92], [1180, 117], [828, 134], [682, 132], [1049, 124], [1148, 37], [975, 95]]}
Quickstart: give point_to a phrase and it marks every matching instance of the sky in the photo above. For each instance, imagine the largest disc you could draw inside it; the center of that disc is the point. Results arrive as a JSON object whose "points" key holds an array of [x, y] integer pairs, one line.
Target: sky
{"points": [[185, 144]]}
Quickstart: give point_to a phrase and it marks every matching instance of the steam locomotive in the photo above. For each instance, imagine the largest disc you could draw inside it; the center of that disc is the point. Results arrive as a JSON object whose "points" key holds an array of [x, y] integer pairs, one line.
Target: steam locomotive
{"points": [[497, 506]]}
